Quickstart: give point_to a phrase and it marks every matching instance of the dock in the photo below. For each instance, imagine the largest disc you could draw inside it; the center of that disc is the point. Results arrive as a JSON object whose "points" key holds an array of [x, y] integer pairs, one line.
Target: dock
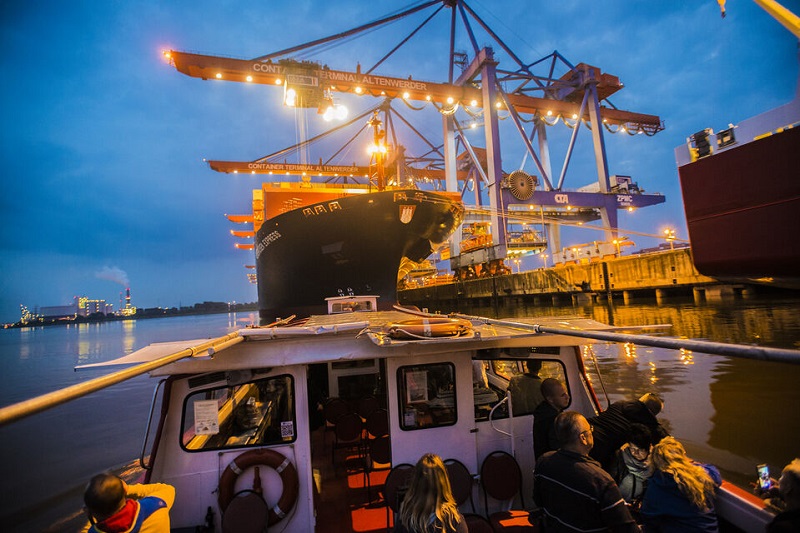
{"points": [[660, 275]]}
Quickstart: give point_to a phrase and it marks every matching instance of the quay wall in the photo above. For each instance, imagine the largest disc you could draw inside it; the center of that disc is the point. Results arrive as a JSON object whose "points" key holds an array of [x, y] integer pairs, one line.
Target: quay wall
{"points": [[660, 275]]}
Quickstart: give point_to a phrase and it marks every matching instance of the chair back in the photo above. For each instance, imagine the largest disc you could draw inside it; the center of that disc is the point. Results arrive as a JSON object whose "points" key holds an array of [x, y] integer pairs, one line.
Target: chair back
{"points": [[366, 405], [380, 450], [334, 408], [460, 481], [501, 477], [377, 423], [396, 484], [348, 428]]}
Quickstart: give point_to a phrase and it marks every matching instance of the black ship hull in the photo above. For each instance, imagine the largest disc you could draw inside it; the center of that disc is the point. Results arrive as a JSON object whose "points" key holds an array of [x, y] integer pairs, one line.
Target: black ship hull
{"points": [[348, 245]]}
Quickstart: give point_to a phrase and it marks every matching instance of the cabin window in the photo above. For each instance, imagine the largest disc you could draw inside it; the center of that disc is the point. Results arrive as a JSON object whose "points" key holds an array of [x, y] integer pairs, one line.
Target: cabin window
{"points": [[427, 395], [256, 413], [492, 378]]}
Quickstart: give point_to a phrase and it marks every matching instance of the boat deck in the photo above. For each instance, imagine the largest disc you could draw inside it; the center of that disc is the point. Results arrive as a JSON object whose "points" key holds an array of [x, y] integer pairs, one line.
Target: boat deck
{"points": [[342, 503]]}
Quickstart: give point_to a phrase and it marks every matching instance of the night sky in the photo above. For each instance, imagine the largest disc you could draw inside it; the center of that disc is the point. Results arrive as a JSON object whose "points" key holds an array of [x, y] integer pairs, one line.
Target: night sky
{"points": [[104, 184]]}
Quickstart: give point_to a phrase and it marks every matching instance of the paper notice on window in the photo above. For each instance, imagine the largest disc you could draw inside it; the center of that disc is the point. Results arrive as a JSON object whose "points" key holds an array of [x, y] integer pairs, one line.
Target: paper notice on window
{"points": [[416, 387], [206, 417]]}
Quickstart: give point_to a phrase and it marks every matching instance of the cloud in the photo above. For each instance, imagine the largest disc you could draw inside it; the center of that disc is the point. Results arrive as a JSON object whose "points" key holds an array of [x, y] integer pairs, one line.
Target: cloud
{"points": [[115, 274]]}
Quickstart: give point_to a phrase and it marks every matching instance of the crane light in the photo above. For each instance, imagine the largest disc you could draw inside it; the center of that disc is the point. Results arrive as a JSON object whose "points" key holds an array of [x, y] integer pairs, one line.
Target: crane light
{"points": [[249, 78], [290, 97], [406, 95], [219, 75]]}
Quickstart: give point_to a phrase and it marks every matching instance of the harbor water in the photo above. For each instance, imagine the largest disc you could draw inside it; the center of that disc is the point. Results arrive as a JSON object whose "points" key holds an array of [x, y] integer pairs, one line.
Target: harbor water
{"points": [[733, 413]]}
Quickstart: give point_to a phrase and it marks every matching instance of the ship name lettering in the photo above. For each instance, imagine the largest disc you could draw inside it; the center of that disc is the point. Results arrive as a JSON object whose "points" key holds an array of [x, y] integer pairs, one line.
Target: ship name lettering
{"points": [[561, 198], [266, 241]]}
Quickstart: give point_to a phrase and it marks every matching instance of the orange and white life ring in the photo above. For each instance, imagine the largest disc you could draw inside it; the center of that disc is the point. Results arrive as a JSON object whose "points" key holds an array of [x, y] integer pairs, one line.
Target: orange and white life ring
{"points": [[421, 328], [272, 459]]}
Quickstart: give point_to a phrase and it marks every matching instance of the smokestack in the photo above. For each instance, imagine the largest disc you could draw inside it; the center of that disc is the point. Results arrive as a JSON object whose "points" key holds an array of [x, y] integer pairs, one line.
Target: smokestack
{"points": [[128, 298]]}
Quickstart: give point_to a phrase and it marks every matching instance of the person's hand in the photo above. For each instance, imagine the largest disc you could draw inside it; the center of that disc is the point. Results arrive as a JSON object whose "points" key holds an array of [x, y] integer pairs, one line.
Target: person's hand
{"points": [[125, 487]]}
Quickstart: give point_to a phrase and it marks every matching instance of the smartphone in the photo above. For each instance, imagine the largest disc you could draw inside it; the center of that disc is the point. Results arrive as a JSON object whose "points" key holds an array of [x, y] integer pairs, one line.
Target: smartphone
{"points": [[764, 481]]}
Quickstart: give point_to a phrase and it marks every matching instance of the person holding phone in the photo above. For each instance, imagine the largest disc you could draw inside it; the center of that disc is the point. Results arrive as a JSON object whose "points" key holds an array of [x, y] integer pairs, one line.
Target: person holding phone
{"points": [[789, 488]]}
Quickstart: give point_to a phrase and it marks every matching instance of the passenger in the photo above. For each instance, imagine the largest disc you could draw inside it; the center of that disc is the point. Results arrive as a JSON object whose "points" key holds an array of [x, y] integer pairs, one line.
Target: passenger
{"points": [[526, 389], [611, 427], [556, 399], [789, 489], [114, 506], [631, 467], [680, 493], [574, 493], [429, 506]]}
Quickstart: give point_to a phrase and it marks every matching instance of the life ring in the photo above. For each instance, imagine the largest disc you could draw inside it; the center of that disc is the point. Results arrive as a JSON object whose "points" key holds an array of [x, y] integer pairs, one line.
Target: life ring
{"points": [[421, 328], [272, 459]]}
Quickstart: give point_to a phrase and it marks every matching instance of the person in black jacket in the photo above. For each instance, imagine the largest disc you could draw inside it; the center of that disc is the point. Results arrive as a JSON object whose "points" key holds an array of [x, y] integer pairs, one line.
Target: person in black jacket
{"points": [[612, 426], [574, 493], [556, 399]]}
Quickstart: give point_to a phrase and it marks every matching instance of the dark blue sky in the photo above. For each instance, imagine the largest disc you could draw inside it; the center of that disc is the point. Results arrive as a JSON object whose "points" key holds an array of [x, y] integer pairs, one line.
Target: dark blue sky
{"points": [[103, 142]]}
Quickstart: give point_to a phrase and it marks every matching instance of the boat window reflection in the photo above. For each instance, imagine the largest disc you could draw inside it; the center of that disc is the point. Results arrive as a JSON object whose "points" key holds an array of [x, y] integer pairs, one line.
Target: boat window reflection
{"points": [[497, 378], [427, 395], [256, 413]]}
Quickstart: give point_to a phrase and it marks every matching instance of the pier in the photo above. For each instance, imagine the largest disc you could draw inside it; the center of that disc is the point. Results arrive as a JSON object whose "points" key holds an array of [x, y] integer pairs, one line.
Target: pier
{"points": [[659, 275]]}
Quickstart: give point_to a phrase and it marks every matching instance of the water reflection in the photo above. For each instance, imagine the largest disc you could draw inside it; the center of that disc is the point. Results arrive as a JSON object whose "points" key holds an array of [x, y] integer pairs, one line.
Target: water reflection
{"points": [[128, 336]]}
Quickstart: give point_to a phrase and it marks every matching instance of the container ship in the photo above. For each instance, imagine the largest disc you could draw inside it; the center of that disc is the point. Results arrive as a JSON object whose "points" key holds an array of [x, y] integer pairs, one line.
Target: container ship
{"points": [[340, 241]]}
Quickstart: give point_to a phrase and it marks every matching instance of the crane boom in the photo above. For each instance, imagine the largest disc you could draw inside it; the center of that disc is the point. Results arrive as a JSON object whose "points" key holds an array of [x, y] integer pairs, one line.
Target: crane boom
{"points": [[277, 73], [351, 171]]}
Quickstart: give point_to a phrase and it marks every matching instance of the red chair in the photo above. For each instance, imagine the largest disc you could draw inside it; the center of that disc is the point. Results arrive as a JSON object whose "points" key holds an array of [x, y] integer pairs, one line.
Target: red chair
{"points": [[501, 480]]}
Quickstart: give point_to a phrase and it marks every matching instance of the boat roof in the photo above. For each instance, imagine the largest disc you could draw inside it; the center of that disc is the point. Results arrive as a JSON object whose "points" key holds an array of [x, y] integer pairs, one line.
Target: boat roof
{"points": [[351, 336]]}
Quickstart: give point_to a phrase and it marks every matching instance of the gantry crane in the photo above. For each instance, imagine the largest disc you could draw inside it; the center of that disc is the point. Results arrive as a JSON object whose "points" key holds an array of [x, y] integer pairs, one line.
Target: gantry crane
{"points": [[574, 98]]}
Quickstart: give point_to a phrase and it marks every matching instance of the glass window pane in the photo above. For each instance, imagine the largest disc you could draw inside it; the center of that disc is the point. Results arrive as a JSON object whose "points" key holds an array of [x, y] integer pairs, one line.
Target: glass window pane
{"points": [[522, 378], [427, 395], [257, 413]]}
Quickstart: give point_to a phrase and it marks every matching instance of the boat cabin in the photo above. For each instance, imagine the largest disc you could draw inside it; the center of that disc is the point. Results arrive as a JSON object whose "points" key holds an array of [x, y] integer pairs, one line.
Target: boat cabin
{"points": [[316, 416]]}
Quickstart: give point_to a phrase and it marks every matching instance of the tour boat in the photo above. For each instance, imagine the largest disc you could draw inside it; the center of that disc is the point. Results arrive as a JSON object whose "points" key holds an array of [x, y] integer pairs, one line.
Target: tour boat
{"points": [[310, 425]]}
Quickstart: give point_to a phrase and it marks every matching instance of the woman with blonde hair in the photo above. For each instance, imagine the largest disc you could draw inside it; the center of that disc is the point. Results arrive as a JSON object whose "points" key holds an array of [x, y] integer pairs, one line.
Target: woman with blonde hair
{"points": [[680, 493], [429, 506]]}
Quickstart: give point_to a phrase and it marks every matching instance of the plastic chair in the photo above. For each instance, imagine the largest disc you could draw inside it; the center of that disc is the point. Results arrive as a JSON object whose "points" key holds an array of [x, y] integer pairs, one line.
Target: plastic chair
{"points": [[347, 434], [378, 457], [395, 487], [501, 479], [460, 482]]}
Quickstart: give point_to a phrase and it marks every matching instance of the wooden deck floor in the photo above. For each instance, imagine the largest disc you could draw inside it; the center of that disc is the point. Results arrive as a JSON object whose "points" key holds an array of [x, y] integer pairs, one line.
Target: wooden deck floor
{"points": [[342, 504]]}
